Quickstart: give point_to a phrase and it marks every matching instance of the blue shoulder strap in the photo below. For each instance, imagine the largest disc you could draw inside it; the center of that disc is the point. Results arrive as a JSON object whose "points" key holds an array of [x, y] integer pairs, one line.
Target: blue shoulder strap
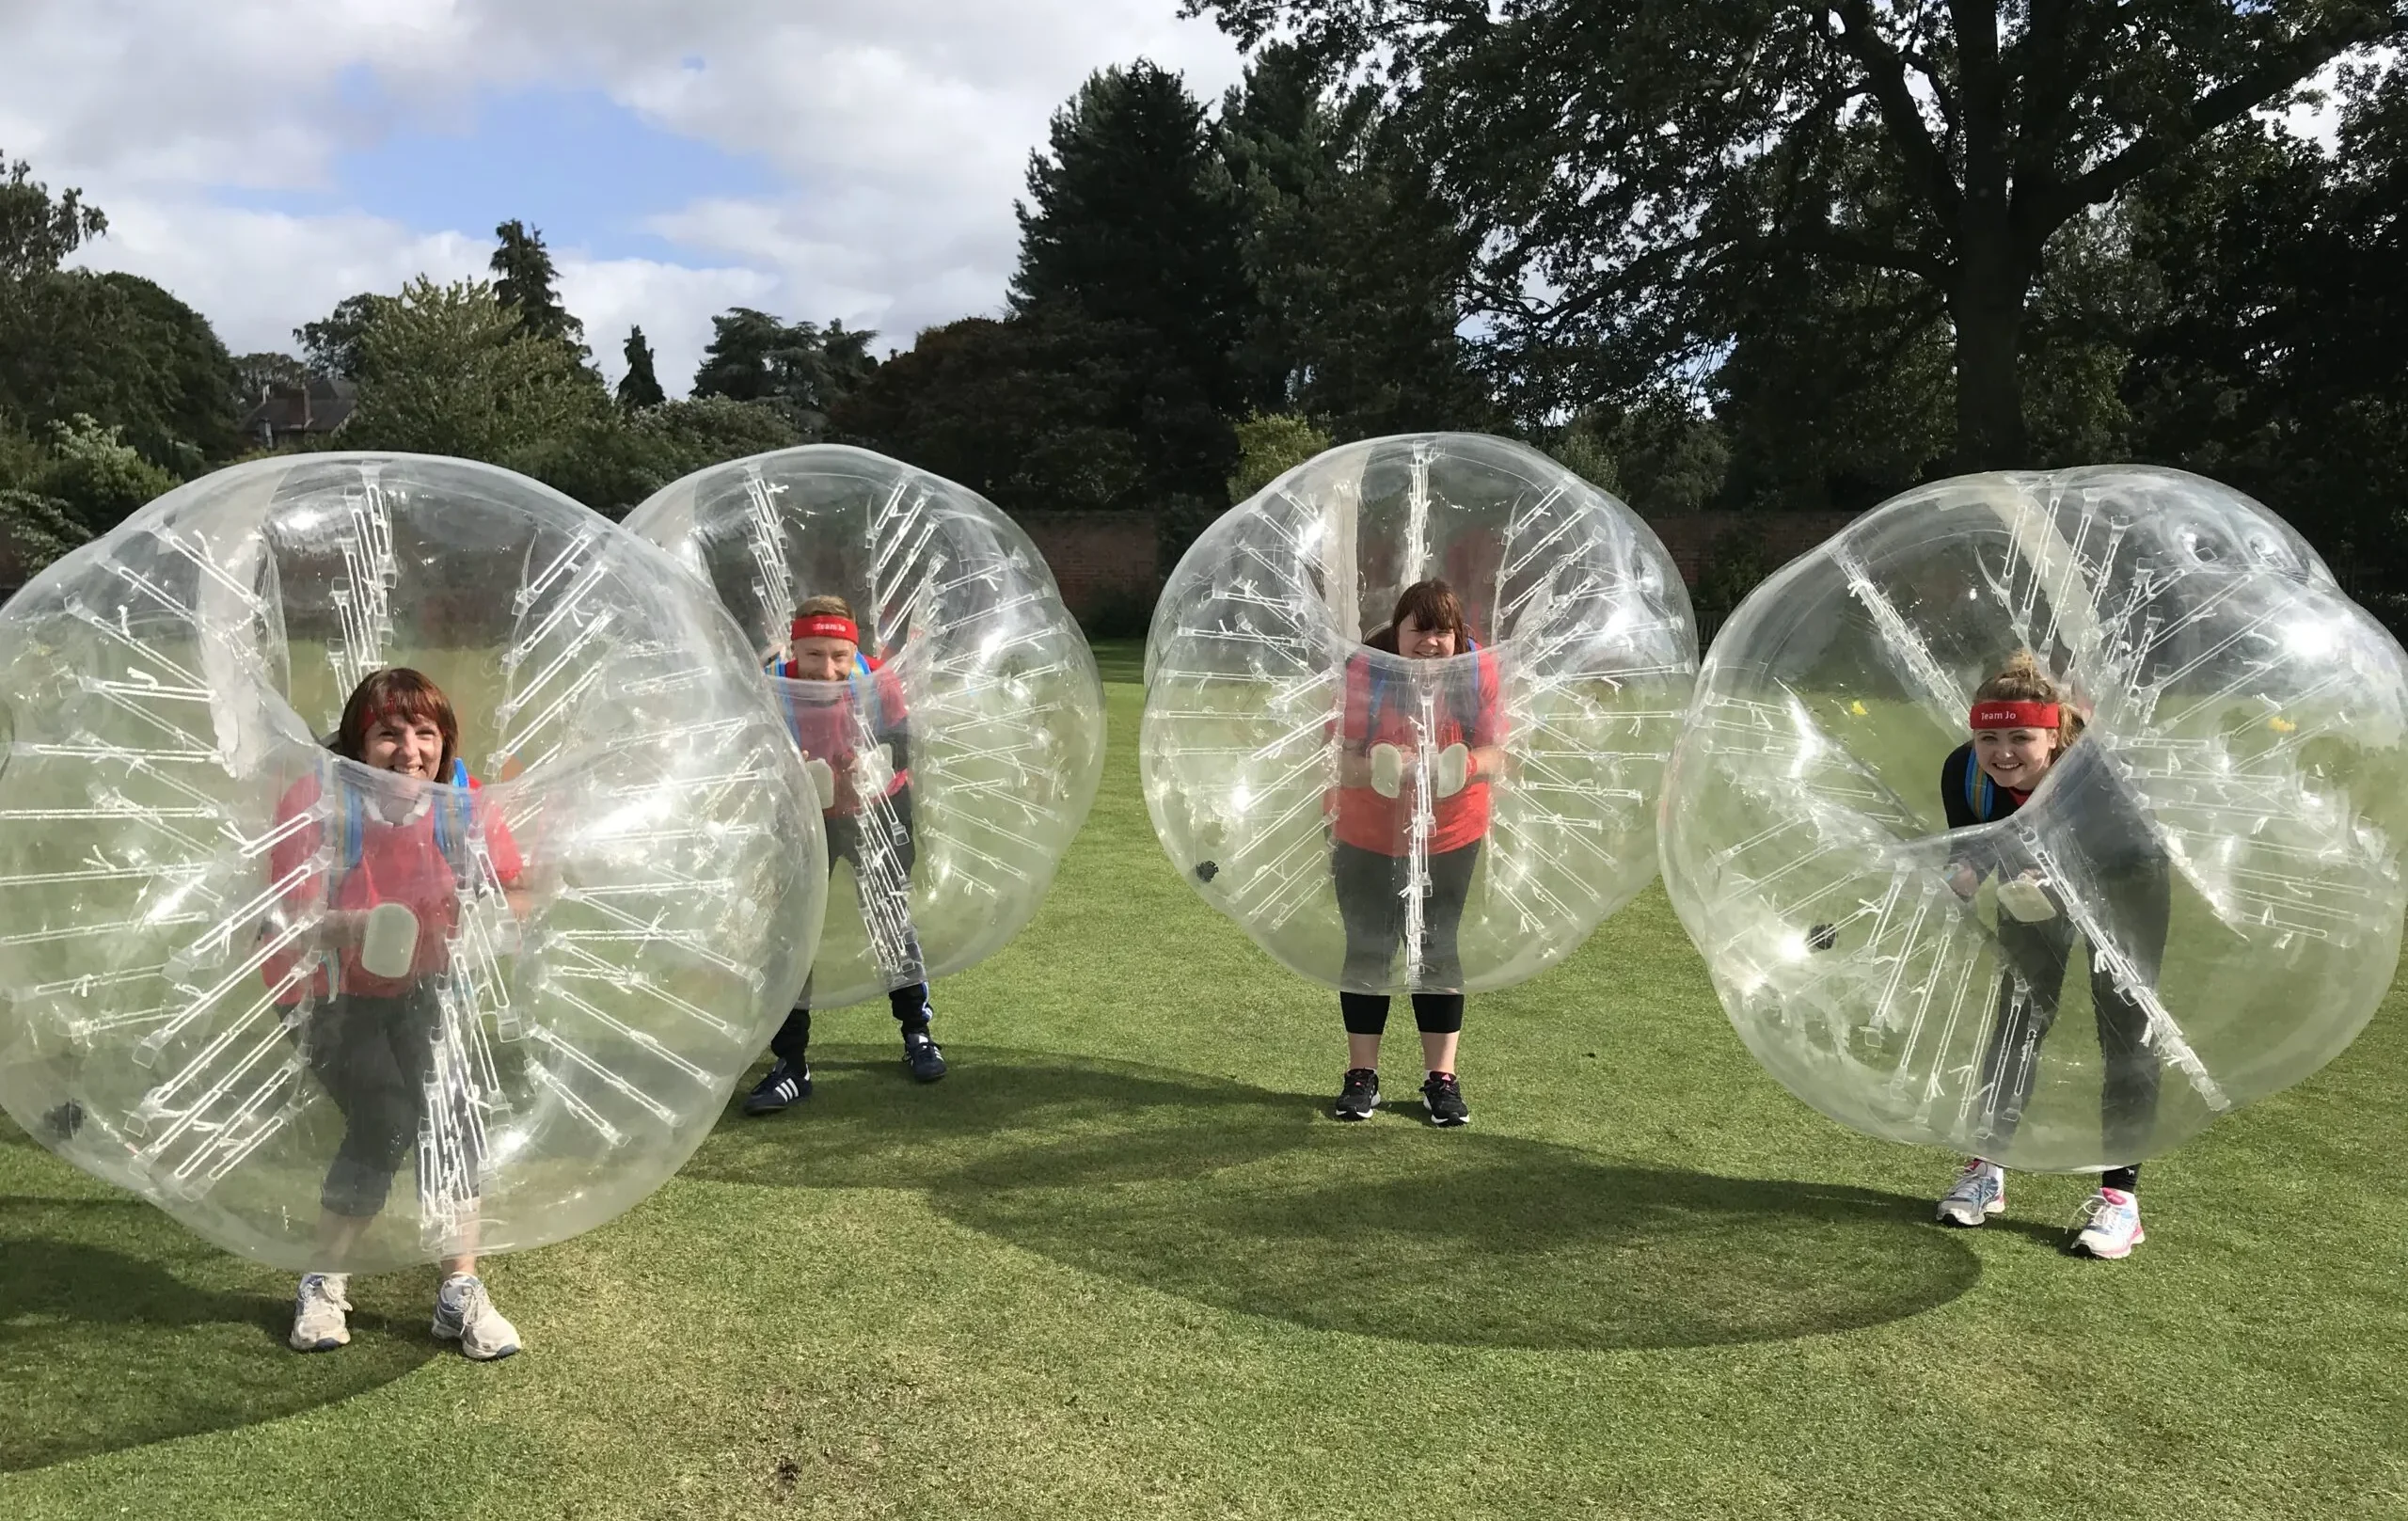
{"points": [[1980, 794], [454, 823]]}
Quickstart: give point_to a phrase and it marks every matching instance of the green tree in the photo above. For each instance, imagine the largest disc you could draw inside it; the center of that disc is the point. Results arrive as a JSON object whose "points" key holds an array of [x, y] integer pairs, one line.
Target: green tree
{"points": [[1629, 168], [87, 483], [38, 230], [1268, 448], [805, 368], [1358, 267], [526, 282], [450, 369], [331, 344], [256, 374], [639, 387], [2274, 352], [1131, 257], [119, 348]]}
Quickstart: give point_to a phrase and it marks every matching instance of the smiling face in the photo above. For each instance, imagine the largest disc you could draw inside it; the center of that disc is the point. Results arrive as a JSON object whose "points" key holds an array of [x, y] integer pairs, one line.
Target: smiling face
{"points": [[407, 744], [823, 659], [1420, 643], [2014, 758]]}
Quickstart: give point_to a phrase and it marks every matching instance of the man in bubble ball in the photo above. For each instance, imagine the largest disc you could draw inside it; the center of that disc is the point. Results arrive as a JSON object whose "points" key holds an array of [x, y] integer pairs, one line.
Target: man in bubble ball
{"points": [[1371, 827], [370, 1031], [857, 697], [2021, 726]]}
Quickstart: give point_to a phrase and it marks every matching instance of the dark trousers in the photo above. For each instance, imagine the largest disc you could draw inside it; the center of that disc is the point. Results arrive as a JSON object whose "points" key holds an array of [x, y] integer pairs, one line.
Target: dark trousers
{"points": [[845, 841], [2139, 902], [1370, 901], [374, 1057]]}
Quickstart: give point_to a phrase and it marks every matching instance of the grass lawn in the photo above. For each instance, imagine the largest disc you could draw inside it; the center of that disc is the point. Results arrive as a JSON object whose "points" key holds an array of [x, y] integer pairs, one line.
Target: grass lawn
{"points": [[1117, 1265]]}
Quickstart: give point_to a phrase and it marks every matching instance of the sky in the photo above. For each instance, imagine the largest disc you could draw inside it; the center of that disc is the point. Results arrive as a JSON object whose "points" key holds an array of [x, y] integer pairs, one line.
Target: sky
{"points": [[819, 159]]}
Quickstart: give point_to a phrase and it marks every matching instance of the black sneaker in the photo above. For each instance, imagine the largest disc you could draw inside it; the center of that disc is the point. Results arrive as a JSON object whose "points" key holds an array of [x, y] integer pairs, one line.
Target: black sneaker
{"points": [[923, 1055], [1360, 1096], [784, 1084], [1442, 1097]]}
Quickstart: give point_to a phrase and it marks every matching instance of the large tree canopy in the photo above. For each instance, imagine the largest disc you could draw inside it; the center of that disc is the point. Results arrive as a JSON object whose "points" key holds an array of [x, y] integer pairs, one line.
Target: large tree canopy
{"points": [[1634, 168], [800, 366]]}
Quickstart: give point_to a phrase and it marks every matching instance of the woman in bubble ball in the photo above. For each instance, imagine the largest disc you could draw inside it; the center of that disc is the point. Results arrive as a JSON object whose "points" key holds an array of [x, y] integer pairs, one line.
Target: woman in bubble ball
{"points": [[1371, 827], [2021, 726], [824, 645], [371, 1038]]}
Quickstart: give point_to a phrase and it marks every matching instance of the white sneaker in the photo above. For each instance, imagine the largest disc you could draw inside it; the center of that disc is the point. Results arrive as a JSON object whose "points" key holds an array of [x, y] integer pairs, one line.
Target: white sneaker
{"points": [[464, 1312], [318, 1309], [2109, 1226], [1980, 1193]]}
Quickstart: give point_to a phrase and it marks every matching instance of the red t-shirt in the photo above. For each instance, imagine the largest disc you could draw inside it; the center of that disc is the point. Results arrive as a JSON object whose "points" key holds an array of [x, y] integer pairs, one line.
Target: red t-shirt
{"points": [[1368, 821], [828, 731], [399, 863]]}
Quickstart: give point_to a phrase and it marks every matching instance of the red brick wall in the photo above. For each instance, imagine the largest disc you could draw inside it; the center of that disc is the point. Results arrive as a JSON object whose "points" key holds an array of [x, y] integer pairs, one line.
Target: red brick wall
{"points": [[1095, 557]]}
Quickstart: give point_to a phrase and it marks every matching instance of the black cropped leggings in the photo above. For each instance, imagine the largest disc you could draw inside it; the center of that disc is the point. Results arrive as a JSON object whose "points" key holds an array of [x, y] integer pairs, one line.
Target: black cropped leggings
{"points": [[1370, 901], [2140, 901]]}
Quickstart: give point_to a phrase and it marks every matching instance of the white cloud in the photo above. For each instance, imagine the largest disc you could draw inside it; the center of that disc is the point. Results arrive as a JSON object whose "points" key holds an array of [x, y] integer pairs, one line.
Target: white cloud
{"points": [[900, 130]]}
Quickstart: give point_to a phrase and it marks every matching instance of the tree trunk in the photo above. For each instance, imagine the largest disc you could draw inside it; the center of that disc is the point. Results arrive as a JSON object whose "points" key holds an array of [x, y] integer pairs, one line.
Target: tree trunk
{"points": [[1986, 305]]}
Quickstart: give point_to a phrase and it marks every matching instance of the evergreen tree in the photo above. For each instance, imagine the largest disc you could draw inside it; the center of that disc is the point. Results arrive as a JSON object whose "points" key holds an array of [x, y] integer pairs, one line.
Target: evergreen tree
{"points": [[639, 387], [1131, 237], [801, 368], [525, 280]]}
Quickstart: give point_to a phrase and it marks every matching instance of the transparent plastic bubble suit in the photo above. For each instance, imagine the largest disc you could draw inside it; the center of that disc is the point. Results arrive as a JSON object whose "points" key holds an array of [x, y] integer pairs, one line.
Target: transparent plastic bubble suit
{"points": [[179, 855], [955, 773], [1262, 697], [2217, 857]]}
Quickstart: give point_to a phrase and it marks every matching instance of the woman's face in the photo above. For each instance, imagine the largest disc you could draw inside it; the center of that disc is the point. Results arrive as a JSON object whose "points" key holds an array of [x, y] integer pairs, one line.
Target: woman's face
{"points": [[1420, 643], [399, 743], [2016, 758]]}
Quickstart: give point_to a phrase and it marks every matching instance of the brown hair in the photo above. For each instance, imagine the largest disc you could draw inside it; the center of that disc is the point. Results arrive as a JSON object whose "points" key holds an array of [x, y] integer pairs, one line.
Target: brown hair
{"points": [[2022, 680], [397, 691], [826, 607], [1431, 604]]}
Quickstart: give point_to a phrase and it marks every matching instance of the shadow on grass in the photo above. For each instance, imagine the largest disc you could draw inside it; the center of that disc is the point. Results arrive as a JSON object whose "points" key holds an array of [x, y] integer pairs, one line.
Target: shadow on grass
{"points": [[1245, 1199], [102, 1347]]}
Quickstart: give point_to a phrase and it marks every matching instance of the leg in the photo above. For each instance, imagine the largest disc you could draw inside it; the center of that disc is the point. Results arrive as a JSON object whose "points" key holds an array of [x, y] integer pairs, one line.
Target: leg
{"points": [[2034, 954], [1370, 905], [1441, 1019], [1366, 1016], [355, 1061], [2140, 902], [1442, 963]]}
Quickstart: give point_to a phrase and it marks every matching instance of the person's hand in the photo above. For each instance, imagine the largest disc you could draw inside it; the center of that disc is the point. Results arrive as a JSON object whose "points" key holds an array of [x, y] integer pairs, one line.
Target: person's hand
{"points": [[1965, 880], [1388, 769], [2025, 899], [340, 927], [823, 781], [1452, 771]]}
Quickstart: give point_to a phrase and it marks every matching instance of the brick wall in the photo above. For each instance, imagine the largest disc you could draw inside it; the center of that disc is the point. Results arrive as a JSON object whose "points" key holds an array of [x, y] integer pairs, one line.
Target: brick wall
{"points": [[1101, 557], [1095, 557]]}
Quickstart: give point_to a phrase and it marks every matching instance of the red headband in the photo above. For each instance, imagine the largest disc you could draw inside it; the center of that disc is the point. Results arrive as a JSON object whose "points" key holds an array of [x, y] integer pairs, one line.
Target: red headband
{"points": [[827, 626], [2001, 715]]}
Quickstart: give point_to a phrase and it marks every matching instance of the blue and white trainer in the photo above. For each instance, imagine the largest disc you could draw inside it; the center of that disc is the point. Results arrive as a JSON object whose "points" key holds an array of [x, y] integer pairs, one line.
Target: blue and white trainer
{"points": [[319, 1307], [1980, 1193], [784, 1084], [2109, 1226], [464, 1312]]}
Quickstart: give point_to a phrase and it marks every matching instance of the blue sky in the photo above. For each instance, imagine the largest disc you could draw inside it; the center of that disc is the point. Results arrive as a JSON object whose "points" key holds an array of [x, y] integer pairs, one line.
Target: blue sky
{"points": [[821, 159]]}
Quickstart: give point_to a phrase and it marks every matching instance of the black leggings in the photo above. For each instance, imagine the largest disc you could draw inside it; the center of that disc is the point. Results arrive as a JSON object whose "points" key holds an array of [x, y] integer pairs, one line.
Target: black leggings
{"points": [[375, 1058], [1371, 899], [910, 1004], [2139, 899]]}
